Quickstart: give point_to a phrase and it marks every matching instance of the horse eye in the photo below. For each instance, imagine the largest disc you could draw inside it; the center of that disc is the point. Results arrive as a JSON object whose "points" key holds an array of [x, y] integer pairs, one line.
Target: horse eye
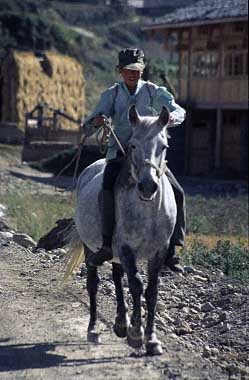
{"points": [[133, 147]]}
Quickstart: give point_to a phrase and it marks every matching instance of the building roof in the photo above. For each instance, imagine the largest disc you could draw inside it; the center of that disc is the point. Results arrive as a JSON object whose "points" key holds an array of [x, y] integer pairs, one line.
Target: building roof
{"points": [[203, 11]]}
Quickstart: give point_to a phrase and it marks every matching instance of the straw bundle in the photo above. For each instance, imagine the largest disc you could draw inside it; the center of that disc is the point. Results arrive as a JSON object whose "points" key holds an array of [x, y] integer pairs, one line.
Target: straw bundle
{"points": [[27, 80]]}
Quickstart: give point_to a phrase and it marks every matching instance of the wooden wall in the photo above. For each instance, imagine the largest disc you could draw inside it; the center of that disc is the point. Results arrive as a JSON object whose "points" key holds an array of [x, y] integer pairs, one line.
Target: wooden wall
{"points": [[233, 144], [214, 63]]}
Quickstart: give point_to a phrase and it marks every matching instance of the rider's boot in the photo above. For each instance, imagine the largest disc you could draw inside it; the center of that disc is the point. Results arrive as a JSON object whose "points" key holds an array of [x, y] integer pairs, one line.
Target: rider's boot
{"points": [[108, 216]]}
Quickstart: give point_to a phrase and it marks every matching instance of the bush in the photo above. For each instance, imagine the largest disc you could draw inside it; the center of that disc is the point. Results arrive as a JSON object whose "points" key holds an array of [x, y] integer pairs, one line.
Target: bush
{"points": [[30, 31], [231, 259]]}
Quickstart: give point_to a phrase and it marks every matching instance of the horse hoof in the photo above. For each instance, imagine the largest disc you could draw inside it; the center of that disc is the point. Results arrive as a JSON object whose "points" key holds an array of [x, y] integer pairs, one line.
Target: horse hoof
{"points": [[154, 348], [121, 325], [93, 337], [135, 337], [120, 330]]}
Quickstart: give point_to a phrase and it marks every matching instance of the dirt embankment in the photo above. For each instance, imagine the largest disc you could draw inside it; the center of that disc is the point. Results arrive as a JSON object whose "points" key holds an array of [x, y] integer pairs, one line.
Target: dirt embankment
{"points": [[202, 320]]}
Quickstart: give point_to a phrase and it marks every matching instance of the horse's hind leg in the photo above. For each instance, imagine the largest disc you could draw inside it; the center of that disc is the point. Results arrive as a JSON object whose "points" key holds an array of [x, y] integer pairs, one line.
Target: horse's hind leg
{"points": [[153, 345], [92, 288], [135, 332], [122, 318]]}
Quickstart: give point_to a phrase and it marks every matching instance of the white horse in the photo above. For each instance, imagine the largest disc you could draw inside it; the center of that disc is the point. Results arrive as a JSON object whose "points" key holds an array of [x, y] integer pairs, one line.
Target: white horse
{"points": [[145, 217]]}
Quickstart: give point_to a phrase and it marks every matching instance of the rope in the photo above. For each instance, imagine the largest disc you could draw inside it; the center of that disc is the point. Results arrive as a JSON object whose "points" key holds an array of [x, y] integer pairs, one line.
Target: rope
{"points": [[75, 157], [109, 126], [106, 131], [102, 139]]}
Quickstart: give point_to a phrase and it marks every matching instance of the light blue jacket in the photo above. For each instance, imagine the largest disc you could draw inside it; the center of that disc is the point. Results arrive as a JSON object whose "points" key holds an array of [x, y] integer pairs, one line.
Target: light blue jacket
{"points": [[116, 101]]}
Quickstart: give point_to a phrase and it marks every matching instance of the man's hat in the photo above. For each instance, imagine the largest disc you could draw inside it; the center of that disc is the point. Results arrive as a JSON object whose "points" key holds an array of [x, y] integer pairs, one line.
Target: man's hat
{"points": [[132, 59]]}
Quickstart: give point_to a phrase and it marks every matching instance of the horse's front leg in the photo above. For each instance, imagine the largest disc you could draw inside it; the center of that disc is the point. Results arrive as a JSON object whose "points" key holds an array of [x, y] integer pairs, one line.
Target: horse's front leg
{"points": [[153, 345], [122, 319], [93, 335], [135, 332]]}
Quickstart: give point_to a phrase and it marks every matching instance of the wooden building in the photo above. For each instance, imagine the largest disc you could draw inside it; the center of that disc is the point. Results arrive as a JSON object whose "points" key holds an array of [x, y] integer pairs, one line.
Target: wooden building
{"points": [[212, 43]]}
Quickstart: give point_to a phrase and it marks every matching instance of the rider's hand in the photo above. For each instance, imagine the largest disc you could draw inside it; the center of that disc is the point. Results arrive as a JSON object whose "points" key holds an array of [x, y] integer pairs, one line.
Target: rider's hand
{"points": [[171, 121], [98, 121]]}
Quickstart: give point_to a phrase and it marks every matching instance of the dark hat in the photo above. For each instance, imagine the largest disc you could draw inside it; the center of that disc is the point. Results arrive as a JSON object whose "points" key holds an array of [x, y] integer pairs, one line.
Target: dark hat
{"points": [[132, 59]]}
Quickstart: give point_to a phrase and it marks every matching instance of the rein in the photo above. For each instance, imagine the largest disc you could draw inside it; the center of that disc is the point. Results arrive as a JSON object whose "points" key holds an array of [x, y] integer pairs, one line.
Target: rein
{"points": [[110, 131], [75, 157], [107, 130]]}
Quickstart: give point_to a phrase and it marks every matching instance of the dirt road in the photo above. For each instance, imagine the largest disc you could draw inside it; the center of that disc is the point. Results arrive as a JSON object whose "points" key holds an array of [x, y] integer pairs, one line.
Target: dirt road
{"points": [[43, 330]]}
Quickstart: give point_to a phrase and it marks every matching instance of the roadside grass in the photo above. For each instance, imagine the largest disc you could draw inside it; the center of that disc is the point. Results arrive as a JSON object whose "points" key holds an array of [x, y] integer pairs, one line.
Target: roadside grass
{"points": [[217, 215], [34, 213], [217, 234]]}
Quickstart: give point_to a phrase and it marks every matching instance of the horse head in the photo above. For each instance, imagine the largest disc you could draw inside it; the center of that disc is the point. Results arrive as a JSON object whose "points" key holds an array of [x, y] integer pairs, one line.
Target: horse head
{"points": [[147, 151]]}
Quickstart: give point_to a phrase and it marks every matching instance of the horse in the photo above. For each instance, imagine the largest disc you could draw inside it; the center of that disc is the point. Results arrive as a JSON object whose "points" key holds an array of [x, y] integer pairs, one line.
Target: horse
{"points": [[145, 217]]}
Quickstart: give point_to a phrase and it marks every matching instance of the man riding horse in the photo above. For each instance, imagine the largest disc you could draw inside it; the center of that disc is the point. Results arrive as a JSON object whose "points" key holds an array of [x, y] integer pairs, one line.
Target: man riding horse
{"points": [[114, 103]]}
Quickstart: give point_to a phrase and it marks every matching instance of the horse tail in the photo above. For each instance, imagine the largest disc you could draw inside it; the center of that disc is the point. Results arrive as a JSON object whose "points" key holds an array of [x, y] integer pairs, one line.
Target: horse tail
{"points": [[75, 253]]}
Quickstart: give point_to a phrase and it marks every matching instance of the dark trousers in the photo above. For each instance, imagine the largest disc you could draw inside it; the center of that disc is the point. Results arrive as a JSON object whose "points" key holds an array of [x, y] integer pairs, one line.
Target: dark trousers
{"points": [[178, 236], [111, 173]]}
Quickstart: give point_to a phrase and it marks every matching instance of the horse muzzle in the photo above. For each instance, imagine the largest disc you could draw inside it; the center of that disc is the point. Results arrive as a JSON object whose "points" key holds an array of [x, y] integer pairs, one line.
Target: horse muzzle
{"points": [[147, 190]]}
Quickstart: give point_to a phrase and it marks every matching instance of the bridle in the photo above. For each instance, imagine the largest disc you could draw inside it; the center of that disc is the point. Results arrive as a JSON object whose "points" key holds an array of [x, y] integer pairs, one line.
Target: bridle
{"points": [[160, 169]]}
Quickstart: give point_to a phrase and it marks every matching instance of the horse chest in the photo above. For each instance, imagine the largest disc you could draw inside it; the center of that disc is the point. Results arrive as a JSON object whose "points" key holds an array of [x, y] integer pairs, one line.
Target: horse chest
{"points": [[143, 226]]}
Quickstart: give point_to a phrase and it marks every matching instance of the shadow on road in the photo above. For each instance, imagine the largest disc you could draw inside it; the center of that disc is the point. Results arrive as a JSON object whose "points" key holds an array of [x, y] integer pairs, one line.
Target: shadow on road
{"points": [[27, 356], [62, 182]]}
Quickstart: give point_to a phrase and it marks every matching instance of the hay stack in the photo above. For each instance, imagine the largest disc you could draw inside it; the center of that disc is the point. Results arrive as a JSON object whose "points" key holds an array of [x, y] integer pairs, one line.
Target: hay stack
{"points": [[27, 80]]}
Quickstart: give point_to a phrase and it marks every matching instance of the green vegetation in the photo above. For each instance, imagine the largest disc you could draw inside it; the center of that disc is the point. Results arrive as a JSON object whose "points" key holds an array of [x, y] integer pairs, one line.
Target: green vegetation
{"points": [[34, 213], [231, 259], [218, 215], [35, 32]]}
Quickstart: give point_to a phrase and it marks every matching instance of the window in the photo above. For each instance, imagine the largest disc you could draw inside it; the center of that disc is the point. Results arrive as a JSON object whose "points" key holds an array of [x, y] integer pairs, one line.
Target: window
{"points": [[236, 64], [229, 65], [203, 30], [239, 27], [205, 64]]}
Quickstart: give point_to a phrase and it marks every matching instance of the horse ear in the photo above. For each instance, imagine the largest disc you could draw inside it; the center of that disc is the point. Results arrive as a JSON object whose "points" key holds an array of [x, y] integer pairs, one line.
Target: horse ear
{"points": [[133, 115], [163, 117]]}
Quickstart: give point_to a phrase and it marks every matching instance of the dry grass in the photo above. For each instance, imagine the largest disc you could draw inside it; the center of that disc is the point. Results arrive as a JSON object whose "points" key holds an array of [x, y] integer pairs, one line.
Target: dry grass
{"points": [[210, 241]]}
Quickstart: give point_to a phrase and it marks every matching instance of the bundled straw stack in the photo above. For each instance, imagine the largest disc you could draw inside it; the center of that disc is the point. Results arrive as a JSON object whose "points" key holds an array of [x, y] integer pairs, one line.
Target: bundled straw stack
{"points": [[53, 78]]}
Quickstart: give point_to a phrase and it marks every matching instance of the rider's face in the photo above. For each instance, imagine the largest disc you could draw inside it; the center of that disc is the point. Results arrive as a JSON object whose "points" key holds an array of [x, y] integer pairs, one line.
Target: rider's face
{"points": [[130, 77]]}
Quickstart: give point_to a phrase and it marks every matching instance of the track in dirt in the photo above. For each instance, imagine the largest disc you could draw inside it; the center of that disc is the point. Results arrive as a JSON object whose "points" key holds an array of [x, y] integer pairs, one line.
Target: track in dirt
{"points": [[43, 330]]}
